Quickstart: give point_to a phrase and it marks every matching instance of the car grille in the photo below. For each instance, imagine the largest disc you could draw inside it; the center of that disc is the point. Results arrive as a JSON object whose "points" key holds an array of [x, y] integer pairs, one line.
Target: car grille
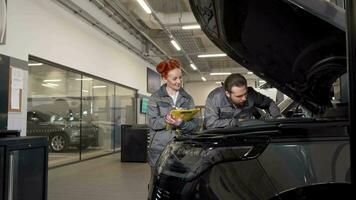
{"points": [[161, 194]]}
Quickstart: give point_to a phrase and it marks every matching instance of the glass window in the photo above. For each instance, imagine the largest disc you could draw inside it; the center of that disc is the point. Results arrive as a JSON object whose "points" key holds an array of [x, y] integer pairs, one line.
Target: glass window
{"points": [[125, 111], [54, 111], [80, 114], [98, 102]]}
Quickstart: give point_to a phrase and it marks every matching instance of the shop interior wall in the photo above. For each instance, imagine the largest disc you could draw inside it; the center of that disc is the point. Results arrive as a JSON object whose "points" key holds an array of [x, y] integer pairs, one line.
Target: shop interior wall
{"points": [[17, 119], [200, 90], [46, 30]]}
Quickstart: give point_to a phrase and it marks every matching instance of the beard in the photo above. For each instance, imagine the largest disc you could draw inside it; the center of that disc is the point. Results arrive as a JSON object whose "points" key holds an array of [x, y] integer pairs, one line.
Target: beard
{"points": [[241, 104], [237, 104]]}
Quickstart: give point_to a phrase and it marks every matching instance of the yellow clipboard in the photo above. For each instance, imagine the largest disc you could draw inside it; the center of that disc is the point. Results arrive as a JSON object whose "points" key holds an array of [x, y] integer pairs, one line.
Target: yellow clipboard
{"points": [[185, 115]]}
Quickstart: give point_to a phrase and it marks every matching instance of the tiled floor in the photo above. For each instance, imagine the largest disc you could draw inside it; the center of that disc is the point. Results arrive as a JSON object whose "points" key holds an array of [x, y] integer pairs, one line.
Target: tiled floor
{"points": [[104, 178]]}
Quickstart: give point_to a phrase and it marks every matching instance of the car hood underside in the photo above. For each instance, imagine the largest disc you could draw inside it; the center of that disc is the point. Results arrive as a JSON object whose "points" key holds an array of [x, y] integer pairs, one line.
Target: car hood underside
{"points": [[299, 52]]}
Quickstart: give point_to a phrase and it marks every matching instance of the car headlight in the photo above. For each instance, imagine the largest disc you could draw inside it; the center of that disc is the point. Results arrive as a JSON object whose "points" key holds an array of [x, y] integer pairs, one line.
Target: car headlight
{"points": [[187, 159]]}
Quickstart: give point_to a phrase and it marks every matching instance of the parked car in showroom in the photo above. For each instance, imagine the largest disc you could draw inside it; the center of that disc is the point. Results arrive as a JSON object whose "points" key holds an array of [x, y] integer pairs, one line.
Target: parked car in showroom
{"points": [[299, 47], [62, 132]]}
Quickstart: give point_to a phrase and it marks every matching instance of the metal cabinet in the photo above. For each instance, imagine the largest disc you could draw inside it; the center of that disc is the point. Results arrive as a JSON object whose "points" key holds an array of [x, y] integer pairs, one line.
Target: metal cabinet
{"points": [[134, 143], [23, 168]]}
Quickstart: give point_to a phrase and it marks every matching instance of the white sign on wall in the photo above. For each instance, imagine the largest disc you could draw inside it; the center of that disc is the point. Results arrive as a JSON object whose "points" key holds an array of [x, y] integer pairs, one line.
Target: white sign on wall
{"points": [[3, 19]]}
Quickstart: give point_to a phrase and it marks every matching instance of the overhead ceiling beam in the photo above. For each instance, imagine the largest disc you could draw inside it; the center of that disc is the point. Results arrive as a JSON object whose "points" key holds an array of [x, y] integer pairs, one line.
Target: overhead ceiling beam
{"points": [[100, 26], [171, 36], [118, 9]]}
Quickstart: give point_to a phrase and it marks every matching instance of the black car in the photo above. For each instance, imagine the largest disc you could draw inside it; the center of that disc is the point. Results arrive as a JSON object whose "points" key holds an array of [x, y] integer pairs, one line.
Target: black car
{"points": [[299, 47], [62, 132]]}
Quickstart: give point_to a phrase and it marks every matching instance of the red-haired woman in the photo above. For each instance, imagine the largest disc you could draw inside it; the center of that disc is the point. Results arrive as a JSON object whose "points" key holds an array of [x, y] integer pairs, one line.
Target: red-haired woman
{"points": [[169, 95]]}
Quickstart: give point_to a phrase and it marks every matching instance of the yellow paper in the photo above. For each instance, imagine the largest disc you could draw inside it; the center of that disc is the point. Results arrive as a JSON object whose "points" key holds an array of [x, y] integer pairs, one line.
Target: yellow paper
{"points": [[185, 115]]}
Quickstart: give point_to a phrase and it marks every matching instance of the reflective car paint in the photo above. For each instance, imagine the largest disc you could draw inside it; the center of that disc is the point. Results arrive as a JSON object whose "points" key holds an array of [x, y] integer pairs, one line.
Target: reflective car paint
{"points": [[296, 155]]}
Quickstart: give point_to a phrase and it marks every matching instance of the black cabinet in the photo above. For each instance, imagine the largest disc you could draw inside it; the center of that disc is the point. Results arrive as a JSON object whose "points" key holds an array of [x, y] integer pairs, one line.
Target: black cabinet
{"points": [[134, 143], [23, 168]]}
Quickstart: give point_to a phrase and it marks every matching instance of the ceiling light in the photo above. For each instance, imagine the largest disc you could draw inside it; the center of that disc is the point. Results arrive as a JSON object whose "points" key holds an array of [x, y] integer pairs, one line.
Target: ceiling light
{"points": [[35, 64], [193, 66], [176, 45], [145, 6], [249, 72], [83, 79], [46, 85], [219, 82], [86, 91], [99, 86], [220, 73], [187, 27], [203, 78], [52, 80], [50, 85], [212, 55]]}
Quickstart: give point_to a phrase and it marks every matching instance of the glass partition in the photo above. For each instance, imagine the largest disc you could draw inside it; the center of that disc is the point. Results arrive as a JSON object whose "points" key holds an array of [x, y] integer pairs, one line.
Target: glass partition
{"points": [[98, 102], [54, 111], [125, 112], [79, 113]]}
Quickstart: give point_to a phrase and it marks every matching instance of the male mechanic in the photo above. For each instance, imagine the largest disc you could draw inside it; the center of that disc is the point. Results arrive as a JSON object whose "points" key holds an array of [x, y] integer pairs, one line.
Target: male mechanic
{"points": [[234, 102]]}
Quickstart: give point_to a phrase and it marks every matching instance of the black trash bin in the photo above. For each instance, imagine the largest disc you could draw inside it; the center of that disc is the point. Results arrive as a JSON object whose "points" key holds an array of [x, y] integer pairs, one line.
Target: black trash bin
{"points": [[134, 143]]}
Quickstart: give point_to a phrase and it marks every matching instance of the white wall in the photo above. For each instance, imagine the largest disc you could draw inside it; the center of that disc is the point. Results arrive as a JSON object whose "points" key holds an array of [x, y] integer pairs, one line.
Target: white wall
{"points": [[17, 120], [44, 29], [200, 90]]}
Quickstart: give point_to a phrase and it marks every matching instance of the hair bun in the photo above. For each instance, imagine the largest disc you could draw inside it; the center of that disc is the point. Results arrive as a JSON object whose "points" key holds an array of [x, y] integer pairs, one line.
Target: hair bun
{"points": [[167, 65], [161, 67]]}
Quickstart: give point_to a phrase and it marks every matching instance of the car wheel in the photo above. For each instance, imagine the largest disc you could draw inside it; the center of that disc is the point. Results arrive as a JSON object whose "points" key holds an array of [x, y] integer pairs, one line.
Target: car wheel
{"points": [[58, 143]]}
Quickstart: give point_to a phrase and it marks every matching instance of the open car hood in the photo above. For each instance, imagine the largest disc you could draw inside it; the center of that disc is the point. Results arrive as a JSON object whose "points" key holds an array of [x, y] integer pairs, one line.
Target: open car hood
{"points": [[298, 46]]}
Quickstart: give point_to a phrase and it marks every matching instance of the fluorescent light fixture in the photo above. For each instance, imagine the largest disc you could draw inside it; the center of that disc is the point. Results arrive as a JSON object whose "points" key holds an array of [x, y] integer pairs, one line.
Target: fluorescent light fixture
{"points": [[52, 80], [193, 66], [99, 86], [174, 43], [212, 55], [35, 64], [249, 72], [46, 85], [50, 85], [203, 78], [219, 82], [187, 27], [86, 91], [144, 5], [220, 73], [83, 79]]}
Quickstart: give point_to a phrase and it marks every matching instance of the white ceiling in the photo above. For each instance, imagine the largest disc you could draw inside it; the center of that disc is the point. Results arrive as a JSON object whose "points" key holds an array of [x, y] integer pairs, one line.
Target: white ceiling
{"points": [[153, 32], [174, 14]]}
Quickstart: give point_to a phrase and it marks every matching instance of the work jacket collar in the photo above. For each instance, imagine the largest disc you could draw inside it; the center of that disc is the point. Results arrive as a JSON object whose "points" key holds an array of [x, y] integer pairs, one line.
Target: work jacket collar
{"points": [[162, 92]]}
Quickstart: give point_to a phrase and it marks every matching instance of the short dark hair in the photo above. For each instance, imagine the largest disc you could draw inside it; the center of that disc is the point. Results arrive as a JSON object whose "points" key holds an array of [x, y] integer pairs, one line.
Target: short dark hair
{"points": [[234, 80]]}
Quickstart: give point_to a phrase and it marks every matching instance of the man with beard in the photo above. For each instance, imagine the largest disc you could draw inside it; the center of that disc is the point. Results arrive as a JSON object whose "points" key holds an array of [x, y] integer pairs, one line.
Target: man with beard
{"points": [[234, 102]]}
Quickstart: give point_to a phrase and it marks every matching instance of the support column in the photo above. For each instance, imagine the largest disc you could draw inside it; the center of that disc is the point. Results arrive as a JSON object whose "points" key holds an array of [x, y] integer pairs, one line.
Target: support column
{"points": [[351, 70]]}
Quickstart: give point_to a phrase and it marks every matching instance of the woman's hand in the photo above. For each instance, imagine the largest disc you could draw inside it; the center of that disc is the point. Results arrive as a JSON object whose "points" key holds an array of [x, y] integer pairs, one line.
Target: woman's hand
{"points": [[170, 120]]}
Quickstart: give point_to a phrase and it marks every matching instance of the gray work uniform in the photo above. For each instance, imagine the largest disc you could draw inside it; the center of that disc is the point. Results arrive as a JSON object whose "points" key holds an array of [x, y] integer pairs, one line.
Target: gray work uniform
{"points": [[221, 113], [160, 104]]}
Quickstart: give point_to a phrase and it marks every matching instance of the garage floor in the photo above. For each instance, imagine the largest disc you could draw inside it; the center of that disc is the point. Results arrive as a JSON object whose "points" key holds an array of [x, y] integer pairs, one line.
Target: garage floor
{"points": [[104, 178]]}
